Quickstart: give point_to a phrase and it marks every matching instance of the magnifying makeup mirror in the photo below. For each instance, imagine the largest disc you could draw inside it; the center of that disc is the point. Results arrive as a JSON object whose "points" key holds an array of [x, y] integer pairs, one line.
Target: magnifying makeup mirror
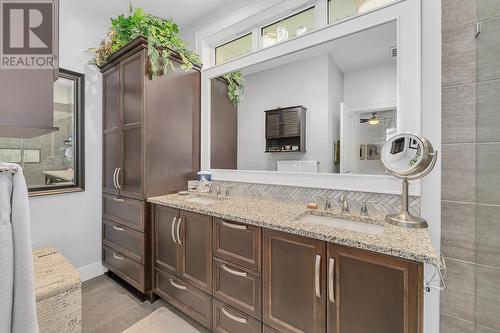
{"points": [[409, 157]]}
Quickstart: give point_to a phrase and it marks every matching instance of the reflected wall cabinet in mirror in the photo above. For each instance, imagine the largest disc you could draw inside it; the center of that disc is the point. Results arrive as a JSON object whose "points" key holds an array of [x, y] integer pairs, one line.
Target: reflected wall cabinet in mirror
{"points": [[286, 129], [151, 138], [358, 77]]}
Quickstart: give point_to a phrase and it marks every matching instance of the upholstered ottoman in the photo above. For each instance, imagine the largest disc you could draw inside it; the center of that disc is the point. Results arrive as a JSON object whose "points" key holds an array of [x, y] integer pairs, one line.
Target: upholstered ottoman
{"points": [[58, 292]]}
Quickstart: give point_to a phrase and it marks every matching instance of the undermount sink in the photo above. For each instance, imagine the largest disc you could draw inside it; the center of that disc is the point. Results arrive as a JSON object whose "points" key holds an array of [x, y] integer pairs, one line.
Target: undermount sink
{"points": [[203, 200], [339, 223]]}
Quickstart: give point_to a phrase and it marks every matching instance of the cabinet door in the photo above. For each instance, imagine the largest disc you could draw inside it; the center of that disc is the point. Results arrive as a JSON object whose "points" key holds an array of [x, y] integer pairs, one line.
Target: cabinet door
{"points": [[290, 120], [294, 283], [130, 175], [273, 124], [369, 292], [167, 250], [196, 249], [111, 130]]}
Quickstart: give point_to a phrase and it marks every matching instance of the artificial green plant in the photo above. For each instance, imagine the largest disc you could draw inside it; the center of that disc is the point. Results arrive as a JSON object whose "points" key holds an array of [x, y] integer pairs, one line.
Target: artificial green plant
{"points": [[162, 35], [235, 83]]}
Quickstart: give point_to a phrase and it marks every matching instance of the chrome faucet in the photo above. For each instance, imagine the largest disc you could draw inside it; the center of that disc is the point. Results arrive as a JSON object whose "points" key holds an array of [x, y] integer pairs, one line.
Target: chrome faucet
{"points": [[364, 209], [328, 204], [228, 193], [217, 190], [344, 201]]}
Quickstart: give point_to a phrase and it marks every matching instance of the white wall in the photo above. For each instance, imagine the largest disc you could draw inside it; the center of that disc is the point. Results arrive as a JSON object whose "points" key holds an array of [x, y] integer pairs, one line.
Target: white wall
{"points": [[72, 222], [311, 83], [371, 87]]}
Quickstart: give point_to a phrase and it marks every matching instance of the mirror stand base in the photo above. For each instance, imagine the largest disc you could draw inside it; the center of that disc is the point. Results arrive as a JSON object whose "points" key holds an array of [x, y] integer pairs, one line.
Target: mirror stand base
{"points": [[406, 220]]}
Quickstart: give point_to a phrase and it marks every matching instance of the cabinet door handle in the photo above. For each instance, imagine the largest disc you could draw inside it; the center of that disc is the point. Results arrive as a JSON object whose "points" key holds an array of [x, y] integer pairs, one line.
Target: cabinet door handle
{"points": [[114, 178], [317, 272], [117, 228], [173, 230], [116, 256], [331, 281], [178, 286], [118, 199], [118, 178], [237, 319], [234, 226], [179, 231], [233, 271]]}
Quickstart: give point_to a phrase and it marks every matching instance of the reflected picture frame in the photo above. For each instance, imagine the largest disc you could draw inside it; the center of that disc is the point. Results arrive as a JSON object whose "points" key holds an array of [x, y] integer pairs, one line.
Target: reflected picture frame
{"points": [[373, 152], [362, 152]]}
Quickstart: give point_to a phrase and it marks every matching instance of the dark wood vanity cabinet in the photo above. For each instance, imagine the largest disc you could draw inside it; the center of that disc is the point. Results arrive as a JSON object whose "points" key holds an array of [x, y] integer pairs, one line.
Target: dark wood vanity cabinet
{"points": [[369, 292], [293, 283], [276, 282], [151, 142]]}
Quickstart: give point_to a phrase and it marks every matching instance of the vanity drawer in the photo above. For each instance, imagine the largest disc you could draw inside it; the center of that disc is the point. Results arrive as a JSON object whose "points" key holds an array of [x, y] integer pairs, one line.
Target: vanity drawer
{"points": [[239, 287], [126, 268], [190, 300], [238, 243], [123, 210], [227, 319], [123, 239]]}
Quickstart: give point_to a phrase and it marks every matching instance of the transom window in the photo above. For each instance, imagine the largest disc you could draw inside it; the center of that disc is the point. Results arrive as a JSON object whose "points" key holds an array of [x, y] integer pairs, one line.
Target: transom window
{"points": [[233, 49], [292, 26], [340, 9]]}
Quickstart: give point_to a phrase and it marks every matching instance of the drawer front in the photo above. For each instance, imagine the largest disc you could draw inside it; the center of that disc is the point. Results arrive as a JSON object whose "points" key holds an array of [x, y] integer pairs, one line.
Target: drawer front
{"points": [[124, 267], [229, 320], [238, 243], [238, 287], [190, 300], [123, 210], [123, 239]]}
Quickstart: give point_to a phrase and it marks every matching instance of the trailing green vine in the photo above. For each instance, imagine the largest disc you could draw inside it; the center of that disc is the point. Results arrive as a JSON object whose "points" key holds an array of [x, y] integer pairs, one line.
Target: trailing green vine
{"points": [[235, 86], [162, 35]]}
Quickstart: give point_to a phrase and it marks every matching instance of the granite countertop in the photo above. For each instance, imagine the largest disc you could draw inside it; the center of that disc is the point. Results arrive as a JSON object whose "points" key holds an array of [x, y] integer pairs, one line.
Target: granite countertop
{"points": [[412, 244]]}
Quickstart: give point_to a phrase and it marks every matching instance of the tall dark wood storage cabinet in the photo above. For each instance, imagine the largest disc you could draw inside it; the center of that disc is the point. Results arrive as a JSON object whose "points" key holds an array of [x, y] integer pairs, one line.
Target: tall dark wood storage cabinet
{"points": [[151, 146]]}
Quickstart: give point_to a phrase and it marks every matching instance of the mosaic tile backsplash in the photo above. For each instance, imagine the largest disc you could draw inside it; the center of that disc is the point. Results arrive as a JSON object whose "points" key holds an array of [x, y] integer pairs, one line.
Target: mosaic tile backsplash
{"points": [[379, 204]]}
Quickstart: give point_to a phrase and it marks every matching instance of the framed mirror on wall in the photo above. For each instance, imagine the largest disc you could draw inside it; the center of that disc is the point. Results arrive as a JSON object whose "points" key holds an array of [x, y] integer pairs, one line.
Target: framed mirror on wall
{"points": [[317, 115], [54, 163]]}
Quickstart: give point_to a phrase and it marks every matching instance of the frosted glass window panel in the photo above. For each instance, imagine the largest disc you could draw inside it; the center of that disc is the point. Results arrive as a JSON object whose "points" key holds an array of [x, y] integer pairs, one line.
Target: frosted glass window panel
{"points": [[340, 9], [290, 27], [31, 156], [233, 49], [10, 155]]}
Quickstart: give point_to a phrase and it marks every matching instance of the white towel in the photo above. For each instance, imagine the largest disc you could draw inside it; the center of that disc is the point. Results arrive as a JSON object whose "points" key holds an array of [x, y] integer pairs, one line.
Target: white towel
{"points": [[17, 290]]}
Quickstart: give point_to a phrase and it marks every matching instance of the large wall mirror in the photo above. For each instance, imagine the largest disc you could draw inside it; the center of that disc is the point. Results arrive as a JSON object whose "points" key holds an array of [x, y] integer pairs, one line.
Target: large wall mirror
{"points": [[316, 111], [325, 109]]}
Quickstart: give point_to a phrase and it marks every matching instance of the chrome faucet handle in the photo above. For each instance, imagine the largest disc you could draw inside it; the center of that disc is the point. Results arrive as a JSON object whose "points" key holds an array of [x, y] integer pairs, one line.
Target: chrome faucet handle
{"points": [[328, 203], [228, 193], [344, 200], [364, 207], [217, 190]]}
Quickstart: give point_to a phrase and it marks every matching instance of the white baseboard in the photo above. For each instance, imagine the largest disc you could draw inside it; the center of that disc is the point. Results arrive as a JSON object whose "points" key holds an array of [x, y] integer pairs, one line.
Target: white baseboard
{"points": [[91, 271]]}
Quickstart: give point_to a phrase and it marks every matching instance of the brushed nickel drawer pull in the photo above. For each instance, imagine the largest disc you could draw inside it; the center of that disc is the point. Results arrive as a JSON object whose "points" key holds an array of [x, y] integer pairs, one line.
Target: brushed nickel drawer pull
{"points": [[117, 228], [173, 230], [178, 286], [237, 319], [233, 271], [331, 284], [178, 231], [234, 226], [118, 199], [116, 256], [317, 271]]}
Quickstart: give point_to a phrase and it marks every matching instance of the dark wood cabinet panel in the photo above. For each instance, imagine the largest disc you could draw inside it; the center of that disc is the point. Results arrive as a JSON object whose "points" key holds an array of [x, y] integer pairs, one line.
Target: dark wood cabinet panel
{"points": [[190, 300], [123, 239], [224, 128], [123, 266], [111, 101], [166, 249], [130, 176], [229, 320], [111, 160], [132, 89], [196, 249], [293, 274], [290, 120], [286, 127], [238, 287], [370, 292], [273, 124], [129, 212], [238, 243]]}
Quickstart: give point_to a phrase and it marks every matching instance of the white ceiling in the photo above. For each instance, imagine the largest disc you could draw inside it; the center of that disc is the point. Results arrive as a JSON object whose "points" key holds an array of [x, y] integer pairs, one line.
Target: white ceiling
{"points": [[183, 12]]}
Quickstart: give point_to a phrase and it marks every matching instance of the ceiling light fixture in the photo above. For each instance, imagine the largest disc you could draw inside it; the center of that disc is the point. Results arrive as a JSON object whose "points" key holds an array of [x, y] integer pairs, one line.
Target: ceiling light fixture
{"points": [[374, 120]]}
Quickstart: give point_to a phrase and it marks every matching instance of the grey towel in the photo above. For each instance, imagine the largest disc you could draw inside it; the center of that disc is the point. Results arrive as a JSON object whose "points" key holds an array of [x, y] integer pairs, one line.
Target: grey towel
{"points": [[18, 311]]}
